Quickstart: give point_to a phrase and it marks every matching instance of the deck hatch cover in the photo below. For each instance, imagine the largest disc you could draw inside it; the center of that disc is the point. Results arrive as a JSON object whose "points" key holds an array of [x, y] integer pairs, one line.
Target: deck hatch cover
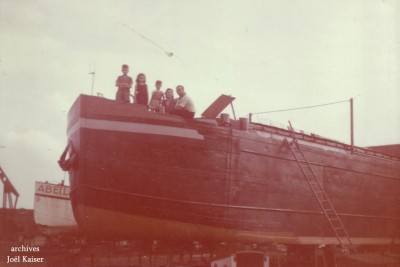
{"points": [[217, 106]]}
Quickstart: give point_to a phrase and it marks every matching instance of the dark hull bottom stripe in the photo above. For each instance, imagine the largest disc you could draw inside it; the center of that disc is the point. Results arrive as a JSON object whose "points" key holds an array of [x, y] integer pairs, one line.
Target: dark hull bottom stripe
{"points": [[123, 225]]}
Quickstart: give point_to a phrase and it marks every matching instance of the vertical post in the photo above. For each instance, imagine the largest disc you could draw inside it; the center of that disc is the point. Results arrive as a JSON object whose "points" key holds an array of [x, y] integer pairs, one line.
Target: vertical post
{"points": [[351, 125], [92, 73], [233, 111]]}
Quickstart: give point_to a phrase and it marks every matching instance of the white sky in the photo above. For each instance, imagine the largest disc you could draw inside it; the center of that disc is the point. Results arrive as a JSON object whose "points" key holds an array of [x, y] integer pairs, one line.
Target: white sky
{"points": [[269, 54]]}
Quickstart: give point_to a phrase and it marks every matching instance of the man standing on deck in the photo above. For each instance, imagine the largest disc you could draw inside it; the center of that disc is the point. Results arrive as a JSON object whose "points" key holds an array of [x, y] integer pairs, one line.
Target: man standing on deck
{"points": [[124, 83], [184, 105]]}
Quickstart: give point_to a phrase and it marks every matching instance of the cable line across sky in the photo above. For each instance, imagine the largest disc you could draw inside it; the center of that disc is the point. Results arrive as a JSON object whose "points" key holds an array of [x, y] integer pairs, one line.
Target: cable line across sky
{"points": [[314, 106]]}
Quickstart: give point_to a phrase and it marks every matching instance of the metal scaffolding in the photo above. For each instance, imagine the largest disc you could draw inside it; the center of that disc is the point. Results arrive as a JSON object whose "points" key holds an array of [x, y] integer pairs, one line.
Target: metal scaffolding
{"points": [[8, 192]]}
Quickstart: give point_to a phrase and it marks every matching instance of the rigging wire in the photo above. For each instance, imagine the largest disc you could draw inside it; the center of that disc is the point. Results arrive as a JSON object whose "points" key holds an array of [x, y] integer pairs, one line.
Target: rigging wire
{"points": [[170, 54], [282, 110]]}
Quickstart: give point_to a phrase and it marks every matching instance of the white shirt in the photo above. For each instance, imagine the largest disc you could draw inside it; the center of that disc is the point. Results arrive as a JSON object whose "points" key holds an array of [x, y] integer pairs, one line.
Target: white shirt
{"points": [[186, 103]]}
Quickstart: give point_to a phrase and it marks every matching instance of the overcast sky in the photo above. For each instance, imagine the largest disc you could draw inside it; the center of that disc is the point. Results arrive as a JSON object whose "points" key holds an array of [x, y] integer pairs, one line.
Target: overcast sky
{"points": [[270, 55]]}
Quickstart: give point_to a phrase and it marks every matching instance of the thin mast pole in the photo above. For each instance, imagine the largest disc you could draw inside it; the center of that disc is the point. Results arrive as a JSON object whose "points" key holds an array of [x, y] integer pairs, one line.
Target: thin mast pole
{"points": [[351, 125], [92, 73], [233, 111]]}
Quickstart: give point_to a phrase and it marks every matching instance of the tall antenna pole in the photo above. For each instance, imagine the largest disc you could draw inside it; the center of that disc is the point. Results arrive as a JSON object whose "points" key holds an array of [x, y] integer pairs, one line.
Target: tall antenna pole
{"points": [[92, 73]]}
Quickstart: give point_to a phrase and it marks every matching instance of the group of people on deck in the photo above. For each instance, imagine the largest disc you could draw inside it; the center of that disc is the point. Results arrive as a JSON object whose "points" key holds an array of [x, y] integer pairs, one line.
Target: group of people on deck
{"points": [[159, 102]]}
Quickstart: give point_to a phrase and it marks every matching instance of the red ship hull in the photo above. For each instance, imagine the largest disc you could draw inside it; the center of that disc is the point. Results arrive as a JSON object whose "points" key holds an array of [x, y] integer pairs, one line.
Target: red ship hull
{"points": [[144, 175]]}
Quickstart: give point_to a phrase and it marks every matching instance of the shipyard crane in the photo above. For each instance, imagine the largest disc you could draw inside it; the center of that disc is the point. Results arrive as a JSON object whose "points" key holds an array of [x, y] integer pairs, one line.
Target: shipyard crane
{"points": [[8, 191]]}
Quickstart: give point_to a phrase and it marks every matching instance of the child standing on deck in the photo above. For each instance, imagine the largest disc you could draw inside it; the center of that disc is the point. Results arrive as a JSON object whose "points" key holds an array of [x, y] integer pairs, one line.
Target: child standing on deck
{"points": [[141, 92], [156, 97], [124, 84]]}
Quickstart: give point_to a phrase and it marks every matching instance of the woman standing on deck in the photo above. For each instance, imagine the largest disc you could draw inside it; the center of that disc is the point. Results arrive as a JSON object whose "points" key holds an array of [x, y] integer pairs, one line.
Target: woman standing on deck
{"points": [[141, 92]]}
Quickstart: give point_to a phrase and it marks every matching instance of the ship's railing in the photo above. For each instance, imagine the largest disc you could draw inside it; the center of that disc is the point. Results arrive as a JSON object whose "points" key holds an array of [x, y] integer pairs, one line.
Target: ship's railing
{"points": [[278, 128]]}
